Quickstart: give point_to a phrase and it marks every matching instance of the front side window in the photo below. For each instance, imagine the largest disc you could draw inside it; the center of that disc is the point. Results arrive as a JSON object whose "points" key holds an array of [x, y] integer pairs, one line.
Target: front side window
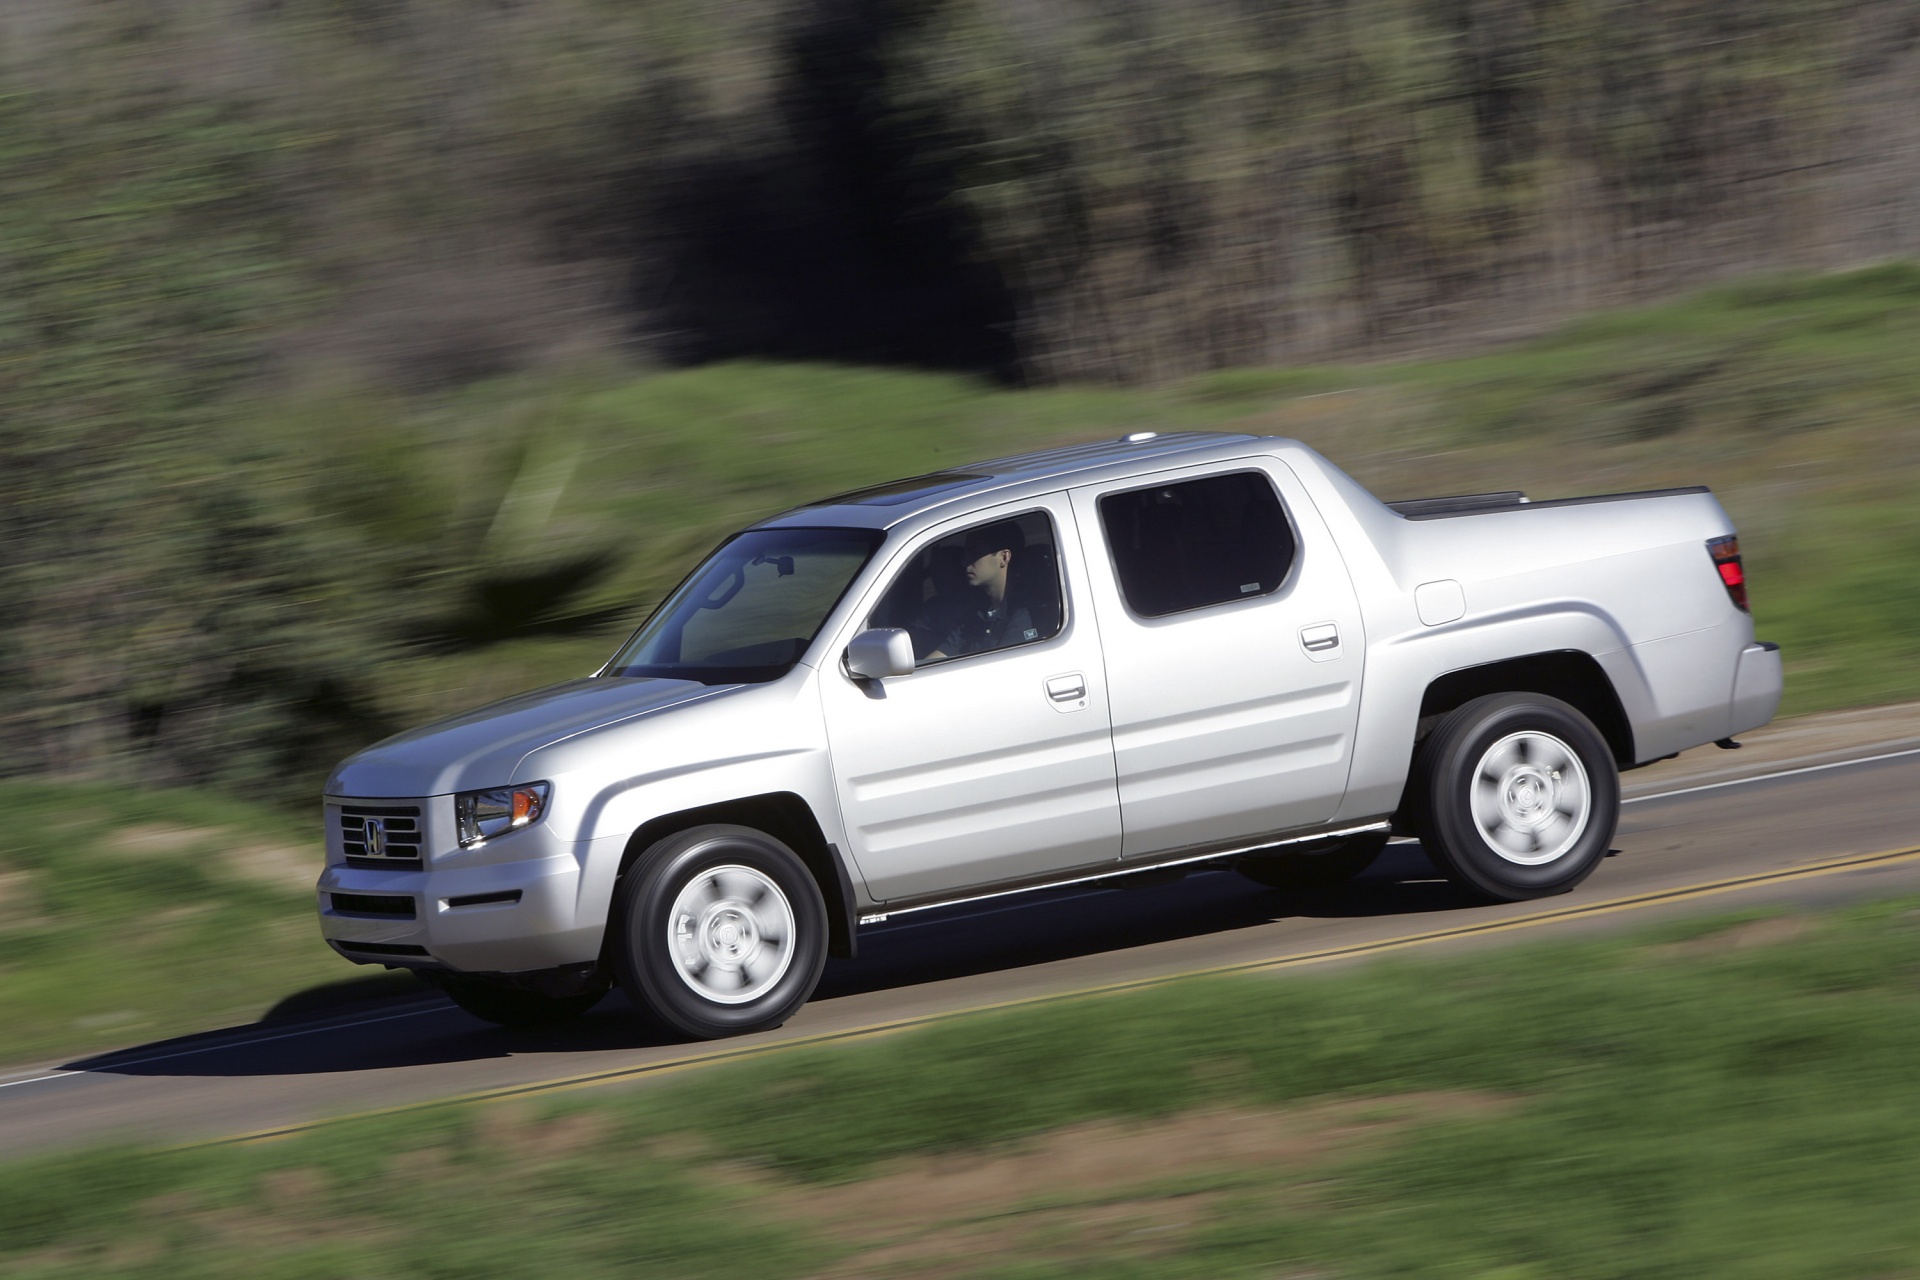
{"points": [[993, 586], [751, 610], [1196, 543]]}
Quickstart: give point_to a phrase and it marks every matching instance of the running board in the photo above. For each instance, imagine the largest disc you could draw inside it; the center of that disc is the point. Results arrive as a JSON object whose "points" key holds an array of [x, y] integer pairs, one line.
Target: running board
{"points": [[1122, 869]]}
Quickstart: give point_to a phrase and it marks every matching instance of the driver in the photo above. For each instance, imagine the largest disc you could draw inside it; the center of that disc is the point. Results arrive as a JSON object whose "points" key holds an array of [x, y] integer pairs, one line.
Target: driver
{"points": [[993, 622]]}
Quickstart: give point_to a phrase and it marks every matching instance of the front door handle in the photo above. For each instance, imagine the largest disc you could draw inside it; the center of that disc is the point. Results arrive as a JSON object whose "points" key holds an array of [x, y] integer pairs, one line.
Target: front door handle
{"points": [[1067, 688]]}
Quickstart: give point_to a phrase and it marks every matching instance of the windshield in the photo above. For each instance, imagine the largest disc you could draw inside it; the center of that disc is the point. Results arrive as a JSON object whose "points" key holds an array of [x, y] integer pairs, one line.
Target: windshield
{"points": [[751, 610]]}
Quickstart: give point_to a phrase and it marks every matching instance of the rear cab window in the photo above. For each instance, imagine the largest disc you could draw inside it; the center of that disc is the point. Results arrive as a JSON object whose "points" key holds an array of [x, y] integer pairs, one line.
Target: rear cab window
{"points": [[1196, 543]]}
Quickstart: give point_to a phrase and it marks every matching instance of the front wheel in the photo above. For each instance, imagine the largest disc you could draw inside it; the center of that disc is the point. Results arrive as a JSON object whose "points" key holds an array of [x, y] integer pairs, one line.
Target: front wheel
{"points": [[1515, 796], [721, 931]]}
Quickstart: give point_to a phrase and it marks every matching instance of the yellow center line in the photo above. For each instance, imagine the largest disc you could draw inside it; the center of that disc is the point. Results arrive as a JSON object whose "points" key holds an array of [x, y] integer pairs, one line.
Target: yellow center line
{"points": [[687, 1062]]}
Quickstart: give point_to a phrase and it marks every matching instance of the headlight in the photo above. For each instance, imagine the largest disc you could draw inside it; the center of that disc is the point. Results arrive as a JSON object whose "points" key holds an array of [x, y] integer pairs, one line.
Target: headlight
{"points": [[482, 815]]}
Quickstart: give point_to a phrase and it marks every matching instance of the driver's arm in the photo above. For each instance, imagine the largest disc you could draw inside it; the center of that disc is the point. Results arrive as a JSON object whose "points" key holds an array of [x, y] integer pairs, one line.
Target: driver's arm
{"points": [[954, 646]]}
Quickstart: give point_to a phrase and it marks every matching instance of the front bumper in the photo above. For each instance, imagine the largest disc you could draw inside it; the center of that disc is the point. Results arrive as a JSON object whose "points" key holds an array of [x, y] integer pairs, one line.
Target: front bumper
{"points": [[511, 905]]}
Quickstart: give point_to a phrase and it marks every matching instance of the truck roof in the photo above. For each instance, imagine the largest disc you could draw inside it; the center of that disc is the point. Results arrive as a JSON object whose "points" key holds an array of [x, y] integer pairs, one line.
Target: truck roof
{"points": [[886, 505]]}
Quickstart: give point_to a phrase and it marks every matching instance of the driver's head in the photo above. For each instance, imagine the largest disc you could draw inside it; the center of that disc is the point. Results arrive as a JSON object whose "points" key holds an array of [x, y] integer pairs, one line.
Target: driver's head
{"points": [[990, 550]]}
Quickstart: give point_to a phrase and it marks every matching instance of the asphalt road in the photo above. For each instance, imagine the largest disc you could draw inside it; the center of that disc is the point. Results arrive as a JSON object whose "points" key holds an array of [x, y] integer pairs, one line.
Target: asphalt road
{"points": [[1799, 838]]}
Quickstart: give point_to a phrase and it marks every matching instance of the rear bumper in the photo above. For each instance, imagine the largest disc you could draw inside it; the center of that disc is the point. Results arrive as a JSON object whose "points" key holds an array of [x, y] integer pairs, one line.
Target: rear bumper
{"points": [[1757, 685]]}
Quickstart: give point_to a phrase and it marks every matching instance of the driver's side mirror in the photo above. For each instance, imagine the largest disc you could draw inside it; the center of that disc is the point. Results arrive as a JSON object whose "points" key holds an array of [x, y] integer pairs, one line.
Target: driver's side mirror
{"points": [[880, 652]]}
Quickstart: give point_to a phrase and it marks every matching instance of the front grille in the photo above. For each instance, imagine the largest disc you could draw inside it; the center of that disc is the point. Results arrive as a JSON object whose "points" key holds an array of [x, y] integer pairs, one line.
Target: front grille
{"points": [[397, 838], [372, 904]]}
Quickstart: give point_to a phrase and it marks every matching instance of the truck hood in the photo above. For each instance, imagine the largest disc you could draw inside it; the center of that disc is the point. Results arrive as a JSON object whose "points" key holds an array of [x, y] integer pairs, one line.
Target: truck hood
{"points": [[483, 747]]}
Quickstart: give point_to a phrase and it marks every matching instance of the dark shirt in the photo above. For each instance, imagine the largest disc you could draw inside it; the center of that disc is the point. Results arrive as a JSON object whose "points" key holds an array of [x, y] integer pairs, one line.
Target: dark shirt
{"points": [[982, 629]]}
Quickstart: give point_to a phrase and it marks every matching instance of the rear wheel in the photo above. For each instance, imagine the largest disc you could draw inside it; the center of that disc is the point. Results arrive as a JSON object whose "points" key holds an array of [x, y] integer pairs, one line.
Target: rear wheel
{"points": [[721, 931], [1516, 796], [1325, 868]]}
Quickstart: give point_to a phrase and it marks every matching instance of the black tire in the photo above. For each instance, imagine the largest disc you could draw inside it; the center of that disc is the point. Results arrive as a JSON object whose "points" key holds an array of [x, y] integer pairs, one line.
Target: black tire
{"points": [[1325, 868], [1496, 796], [495, 1001], [691, 972]]}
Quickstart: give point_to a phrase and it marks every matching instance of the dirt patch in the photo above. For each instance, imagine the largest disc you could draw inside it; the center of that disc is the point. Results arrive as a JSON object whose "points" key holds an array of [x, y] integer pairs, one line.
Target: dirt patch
{"points": [[293, 1212], [294, 1190], [279, 865], [688, 1147], [1770, 932], [156, 839], [1136, 1227], [19, 902], [282, 866], [1104, 1185], [170, 1204], [423, 1164], [528, 1138]]}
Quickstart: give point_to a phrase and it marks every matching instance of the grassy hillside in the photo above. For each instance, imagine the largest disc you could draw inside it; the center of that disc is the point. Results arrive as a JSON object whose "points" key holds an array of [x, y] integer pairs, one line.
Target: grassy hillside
{"points": [[331, 567]]}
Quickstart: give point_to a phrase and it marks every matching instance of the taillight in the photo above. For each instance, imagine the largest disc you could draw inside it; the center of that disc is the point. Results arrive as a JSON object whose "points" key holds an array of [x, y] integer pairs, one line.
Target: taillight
{"points": [[1726, 561]]}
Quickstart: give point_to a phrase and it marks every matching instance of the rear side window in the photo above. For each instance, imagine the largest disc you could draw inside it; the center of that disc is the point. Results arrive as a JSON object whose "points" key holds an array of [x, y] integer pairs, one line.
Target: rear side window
{"points": [[1200, 542]]}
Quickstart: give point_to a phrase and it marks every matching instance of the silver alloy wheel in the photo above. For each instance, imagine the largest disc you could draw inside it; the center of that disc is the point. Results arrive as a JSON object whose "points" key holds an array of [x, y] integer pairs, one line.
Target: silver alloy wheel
{"points": [[1531, 798], [730, 934]]}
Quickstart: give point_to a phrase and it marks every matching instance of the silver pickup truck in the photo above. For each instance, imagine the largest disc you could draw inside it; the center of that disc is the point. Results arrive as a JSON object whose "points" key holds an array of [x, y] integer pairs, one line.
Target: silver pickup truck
{"points": [[1166, 651]]}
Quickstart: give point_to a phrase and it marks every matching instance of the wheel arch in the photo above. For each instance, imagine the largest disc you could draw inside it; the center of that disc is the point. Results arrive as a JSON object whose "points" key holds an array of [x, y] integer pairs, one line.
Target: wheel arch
{"points": [[1570, 675], [789, 819]]}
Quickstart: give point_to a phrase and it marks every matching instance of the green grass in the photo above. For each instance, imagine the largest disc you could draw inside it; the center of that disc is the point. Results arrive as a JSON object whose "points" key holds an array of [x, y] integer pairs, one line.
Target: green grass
{"points": [[1696, 1101], [128, 916]]}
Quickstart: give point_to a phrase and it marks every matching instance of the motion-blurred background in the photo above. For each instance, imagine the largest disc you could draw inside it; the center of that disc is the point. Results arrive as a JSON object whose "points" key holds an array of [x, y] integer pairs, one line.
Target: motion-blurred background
{"points": [[363, 359]]}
